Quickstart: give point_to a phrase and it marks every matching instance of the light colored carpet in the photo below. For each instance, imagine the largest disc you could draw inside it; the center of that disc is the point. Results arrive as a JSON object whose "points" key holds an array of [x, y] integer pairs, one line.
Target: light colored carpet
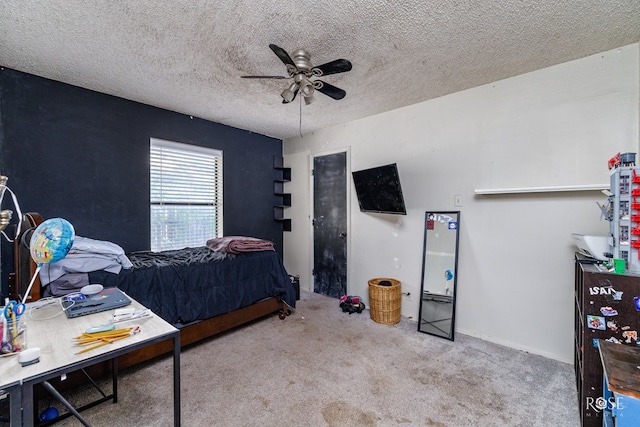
{"points": [[323, 367]]}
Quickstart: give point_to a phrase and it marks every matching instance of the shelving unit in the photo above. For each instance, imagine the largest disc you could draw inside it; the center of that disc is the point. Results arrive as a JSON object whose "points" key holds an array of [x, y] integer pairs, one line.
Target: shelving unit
{"points": [[543, 189], [278, 190], [625, 222], [604, 310]]}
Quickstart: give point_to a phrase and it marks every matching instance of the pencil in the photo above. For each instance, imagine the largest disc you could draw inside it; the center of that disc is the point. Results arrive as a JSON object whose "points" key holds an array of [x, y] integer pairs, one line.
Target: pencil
{"points": [[92, 339], [107, 340], [15, 326], [84, 350], [106, 333]]}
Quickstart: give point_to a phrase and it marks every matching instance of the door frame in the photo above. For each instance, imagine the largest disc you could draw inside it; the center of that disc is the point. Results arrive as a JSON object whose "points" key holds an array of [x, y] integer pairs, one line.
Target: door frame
{"points": [[346, 150]]}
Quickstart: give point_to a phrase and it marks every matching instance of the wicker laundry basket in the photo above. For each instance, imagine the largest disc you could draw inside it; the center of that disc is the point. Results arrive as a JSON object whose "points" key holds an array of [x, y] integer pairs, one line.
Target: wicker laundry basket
{"points": [[385, 301]]}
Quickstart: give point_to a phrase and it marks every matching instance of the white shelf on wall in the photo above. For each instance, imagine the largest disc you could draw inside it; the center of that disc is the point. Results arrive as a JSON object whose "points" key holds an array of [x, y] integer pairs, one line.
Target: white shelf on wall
{"points": [[546, 189]]}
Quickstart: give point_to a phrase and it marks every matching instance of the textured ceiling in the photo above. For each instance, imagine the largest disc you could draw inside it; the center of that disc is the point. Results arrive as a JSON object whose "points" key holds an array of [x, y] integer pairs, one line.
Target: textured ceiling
{"points": [[188, 56]]}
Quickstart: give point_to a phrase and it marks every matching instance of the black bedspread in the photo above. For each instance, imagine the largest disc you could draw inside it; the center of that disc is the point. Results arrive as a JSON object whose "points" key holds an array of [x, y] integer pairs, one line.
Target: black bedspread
{"points": [[197, 283]]}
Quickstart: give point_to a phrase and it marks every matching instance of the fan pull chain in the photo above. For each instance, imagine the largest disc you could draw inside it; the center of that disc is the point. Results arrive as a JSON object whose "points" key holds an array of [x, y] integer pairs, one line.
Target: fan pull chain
{"points": [[300, 104]]}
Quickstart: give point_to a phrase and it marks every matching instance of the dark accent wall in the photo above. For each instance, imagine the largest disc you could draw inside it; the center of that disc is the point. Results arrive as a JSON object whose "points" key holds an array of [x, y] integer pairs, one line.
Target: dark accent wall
{"points": [[83, 155]]}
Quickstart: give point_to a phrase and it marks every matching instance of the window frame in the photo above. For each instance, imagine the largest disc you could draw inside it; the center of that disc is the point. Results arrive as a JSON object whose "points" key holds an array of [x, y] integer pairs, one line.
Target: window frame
{"points": [[175, 150]]}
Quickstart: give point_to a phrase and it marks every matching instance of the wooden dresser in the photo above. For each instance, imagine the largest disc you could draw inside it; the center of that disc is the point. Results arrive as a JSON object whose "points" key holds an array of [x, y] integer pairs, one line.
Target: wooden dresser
{"points": [[605, 308]]}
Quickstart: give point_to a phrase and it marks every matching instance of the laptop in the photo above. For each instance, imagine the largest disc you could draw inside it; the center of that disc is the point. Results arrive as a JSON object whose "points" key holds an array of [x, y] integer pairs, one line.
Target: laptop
{"points": [[107, 299]]}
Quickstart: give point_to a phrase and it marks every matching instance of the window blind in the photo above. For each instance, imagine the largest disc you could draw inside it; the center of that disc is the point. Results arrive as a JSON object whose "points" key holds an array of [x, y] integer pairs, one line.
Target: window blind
{"points": [[185, 194]]}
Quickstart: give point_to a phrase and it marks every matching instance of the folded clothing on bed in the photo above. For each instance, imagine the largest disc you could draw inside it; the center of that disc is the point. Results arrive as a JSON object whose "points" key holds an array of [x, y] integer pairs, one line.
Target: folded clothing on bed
{"points": [[66, 284], [239, 244], [86, 255]]}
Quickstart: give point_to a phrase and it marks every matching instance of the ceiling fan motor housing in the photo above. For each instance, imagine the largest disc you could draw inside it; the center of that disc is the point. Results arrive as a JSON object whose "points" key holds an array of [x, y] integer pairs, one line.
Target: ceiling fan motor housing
{"points": [[302, 60]]}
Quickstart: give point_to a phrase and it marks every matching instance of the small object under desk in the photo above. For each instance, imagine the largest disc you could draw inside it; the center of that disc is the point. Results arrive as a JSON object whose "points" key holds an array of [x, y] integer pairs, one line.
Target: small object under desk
{"points": [[621, 385]]}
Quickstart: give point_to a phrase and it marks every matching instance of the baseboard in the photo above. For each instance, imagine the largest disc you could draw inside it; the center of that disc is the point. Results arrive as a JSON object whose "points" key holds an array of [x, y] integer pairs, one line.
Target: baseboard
{"points": [[511, 344]]}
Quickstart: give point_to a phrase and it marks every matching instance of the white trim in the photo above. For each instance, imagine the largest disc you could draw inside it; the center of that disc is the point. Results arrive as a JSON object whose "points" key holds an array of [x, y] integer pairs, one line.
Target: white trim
{"points": [[511, 344], [547, 189], [187, 181], [181, 146]]}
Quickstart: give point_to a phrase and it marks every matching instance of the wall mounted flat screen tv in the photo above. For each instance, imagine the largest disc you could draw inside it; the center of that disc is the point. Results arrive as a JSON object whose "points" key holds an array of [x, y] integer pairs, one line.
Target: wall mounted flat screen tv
{"points": [[378, 190]]}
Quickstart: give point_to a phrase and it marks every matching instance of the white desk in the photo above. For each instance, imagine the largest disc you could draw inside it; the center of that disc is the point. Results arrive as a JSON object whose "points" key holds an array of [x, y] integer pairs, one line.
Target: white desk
{"points": [[58, 356]]}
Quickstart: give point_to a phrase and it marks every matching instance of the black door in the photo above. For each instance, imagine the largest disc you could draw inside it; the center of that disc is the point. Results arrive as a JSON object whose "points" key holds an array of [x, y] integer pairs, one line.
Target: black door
{"points": [[330, 224]]}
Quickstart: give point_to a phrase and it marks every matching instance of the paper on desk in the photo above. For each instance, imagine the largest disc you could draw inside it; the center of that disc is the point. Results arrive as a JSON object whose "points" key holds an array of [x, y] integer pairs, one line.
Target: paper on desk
{"points": [[119, 317]]}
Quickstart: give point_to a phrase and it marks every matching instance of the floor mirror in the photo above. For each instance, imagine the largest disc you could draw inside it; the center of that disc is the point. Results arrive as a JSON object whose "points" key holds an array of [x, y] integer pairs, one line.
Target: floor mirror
{"points": [[439, 274]]}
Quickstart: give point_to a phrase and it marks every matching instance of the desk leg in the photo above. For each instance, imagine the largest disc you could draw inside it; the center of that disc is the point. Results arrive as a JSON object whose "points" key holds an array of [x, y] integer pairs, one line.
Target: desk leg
{"points": [[64, 401], [114, 379], [15, 407], [176, 380], [27, 405]]}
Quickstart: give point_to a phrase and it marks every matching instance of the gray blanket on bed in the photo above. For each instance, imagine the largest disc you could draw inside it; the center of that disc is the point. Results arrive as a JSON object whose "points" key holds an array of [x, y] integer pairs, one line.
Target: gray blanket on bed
{"points": [[186, 256]]}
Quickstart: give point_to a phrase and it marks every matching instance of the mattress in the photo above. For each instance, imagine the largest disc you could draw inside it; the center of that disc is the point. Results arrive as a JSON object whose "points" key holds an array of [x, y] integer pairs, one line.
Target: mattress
{"points": [[197, 283]]}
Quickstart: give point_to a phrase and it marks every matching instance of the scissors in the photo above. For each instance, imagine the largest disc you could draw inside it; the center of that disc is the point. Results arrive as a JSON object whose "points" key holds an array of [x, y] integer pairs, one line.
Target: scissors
{"points": [[14, 309]]}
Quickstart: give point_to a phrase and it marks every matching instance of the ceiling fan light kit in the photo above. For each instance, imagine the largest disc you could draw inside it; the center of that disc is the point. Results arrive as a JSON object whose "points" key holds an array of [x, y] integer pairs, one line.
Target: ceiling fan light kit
{"points": [[305, 75], [289, 93]]}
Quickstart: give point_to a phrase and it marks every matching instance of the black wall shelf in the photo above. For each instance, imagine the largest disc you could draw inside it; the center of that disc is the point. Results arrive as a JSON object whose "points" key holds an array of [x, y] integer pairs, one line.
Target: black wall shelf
{"points": [[278, 215], [278, 190]]}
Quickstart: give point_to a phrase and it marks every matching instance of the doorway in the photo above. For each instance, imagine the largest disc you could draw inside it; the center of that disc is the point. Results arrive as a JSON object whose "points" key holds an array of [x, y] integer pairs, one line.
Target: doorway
{"points": [[330, 224]]}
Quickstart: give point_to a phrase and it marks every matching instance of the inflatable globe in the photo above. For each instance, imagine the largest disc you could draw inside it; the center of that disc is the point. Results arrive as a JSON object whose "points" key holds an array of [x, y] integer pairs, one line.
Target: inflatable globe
{"points": [[448, 274], [51, 241]]}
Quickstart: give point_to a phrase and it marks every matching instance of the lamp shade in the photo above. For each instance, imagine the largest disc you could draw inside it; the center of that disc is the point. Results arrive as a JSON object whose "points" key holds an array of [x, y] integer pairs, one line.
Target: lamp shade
{"points": [[51, 241]]}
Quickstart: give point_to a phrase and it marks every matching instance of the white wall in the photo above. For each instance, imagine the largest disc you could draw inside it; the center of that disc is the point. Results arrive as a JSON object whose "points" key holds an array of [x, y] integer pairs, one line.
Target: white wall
{"points": [[556, 126]]}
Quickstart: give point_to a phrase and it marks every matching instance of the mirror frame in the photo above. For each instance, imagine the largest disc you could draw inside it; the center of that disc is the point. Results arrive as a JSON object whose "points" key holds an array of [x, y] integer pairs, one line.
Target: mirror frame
{"points": [[450, 335]]}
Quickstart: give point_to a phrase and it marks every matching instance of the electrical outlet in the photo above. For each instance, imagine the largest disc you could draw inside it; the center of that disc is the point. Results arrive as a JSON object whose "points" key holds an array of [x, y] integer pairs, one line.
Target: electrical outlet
{"points": [[457, 200]]}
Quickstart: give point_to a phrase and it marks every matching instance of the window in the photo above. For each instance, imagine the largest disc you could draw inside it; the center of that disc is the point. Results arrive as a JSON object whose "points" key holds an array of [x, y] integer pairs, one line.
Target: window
{"points": [[186, 195]]}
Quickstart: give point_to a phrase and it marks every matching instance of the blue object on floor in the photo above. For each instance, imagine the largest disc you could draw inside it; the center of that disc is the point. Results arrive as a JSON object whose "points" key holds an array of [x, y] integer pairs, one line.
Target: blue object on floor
{"points": [[49, 414]]}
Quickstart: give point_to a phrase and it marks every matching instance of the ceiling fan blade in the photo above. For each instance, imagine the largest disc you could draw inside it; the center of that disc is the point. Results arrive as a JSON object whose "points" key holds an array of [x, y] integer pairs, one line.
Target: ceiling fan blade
{"points": [[331, 91], [263, 77], [282, 54], [334, 67]]}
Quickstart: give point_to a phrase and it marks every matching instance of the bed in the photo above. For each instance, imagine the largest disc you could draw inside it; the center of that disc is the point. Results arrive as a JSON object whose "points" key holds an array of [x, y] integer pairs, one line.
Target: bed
{"points": [[200, 291]]}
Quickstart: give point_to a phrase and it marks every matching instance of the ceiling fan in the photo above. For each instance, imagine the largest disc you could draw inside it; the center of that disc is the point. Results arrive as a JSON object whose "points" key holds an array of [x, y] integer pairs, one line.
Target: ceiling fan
{"points": [[305, 76]]}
